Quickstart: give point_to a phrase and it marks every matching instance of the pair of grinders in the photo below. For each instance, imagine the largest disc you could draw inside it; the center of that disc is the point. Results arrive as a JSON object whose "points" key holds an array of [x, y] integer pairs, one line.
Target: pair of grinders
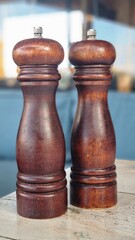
{"points": [[41, 183]]}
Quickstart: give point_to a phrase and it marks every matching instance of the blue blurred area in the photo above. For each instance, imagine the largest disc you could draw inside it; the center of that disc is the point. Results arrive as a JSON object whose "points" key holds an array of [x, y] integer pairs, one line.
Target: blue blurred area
{"points": [[11, 103], [121, 108], [115, 33]]}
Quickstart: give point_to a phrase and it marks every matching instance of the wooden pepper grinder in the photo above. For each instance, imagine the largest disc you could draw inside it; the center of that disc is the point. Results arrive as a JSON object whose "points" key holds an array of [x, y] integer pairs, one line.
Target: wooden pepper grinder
{"points": [[93, 146], [41, 183]]}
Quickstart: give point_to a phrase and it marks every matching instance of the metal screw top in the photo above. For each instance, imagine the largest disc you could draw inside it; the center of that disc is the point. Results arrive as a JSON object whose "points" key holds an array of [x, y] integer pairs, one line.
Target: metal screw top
{"points": [[91, 34], [38, 32]]}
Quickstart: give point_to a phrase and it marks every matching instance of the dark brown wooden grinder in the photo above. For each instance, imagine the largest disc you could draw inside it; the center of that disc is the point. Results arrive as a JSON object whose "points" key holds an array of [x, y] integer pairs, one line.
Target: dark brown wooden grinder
{"points": [[40, 150], [93, 177]]}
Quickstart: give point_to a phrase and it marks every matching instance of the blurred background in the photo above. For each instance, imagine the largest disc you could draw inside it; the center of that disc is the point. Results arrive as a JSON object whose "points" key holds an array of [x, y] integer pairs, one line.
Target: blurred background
{"points": [[66, 21]]}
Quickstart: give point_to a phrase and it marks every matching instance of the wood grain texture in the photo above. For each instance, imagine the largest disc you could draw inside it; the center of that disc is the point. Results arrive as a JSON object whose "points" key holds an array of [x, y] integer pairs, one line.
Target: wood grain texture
{"points": [[93, 145], [78, 224], [40, 149]]}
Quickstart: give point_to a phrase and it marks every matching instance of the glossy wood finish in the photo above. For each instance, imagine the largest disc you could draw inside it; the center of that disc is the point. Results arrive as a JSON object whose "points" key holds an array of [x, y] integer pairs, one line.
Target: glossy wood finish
{"points": [[93, 146], [40, 150], [116, 223]]}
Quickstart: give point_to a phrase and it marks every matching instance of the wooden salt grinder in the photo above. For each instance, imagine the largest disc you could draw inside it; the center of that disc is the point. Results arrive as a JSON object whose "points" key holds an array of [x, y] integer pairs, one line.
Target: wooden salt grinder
{"points": [[41, 183], [93, 146]]}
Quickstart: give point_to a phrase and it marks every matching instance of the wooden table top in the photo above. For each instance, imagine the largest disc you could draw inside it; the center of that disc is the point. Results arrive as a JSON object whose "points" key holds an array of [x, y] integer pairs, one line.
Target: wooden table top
{"points": [[113, 223]]}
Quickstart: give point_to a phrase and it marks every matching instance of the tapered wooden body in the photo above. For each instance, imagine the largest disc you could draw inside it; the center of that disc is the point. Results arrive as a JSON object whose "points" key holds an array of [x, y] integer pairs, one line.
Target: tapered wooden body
{"points": [[40, 150], [93, 146]]}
